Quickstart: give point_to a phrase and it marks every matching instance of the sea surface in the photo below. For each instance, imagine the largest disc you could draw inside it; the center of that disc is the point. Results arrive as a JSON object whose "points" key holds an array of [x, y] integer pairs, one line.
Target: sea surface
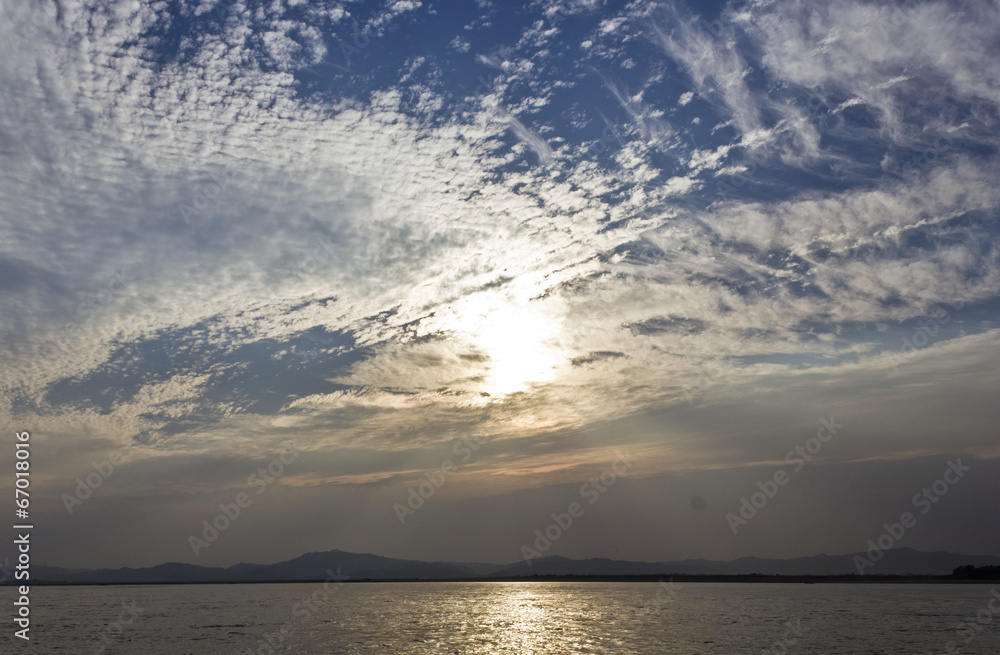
{"points": [[512, 617]]}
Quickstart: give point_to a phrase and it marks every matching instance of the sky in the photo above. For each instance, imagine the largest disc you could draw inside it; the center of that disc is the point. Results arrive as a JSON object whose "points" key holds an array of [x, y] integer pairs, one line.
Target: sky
{"points": [[441, 266]]}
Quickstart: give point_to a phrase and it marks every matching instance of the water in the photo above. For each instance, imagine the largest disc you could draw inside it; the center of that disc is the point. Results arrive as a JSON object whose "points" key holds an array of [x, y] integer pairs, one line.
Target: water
{"points": [[512, 617]]}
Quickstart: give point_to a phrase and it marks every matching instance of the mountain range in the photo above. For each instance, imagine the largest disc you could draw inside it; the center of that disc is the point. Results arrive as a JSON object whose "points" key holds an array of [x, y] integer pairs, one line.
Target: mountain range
{"points": [[358, 566]]}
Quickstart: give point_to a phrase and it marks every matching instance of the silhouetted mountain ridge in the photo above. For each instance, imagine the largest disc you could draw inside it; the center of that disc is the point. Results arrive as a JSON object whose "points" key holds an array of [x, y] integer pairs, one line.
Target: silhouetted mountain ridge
{"points": [[365, 566]]}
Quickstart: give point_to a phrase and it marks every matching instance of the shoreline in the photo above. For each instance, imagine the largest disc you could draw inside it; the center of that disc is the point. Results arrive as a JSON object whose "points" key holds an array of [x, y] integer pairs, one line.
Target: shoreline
{"points": [[749, 579]]}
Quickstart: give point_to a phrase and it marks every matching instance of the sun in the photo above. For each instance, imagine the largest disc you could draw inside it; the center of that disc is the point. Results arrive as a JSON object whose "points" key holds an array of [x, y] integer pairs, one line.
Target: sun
{"points": [[522, 346], [519, 339]]}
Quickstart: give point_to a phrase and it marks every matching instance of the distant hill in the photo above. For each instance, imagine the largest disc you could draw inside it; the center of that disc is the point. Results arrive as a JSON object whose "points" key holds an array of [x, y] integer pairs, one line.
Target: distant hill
{"points": [[358, 566], [311, 566], [899, 561]]}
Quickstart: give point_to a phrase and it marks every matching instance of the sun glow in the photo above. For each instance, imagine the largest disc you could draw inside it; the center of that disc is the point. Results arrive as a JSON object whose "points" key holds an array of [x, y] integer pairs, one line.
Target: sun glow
{"points": [[519, 340], [522, 347]]}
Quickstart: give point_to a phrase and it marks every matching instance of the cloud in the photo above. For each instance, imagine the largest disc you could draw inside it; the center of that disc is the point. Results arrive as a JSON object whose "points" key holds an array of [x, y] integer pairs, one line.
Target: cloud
{"points": [[234, 240]]}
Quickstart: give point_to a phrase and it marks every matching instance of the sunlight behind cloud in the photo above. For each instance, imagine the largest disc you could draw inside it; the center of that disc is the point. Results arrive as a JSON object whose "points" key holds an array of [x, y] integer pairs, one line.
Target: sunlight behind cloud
{"points": [[522, 347], [519, 339]]}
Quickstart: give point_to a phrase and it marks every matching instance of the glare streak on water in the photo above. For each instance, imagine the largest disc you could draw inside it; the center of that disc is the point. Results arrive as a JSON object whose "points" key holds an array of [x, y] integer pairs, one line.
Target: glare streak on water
{"points": [[512, 617]]}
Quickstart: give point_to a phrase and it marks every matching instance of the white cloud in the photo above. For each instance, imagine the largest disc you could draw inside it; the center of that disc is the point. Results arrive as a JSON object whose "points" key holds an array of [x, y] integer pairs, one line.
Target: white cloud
{"points": [[401, 217]]}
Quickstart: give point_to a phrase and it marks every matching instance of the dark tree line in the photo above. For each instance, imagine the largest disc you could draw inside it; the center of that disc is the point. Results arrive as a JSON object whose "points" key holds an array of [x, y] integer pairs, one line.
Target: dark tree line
{"points": [[970, 572]]}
